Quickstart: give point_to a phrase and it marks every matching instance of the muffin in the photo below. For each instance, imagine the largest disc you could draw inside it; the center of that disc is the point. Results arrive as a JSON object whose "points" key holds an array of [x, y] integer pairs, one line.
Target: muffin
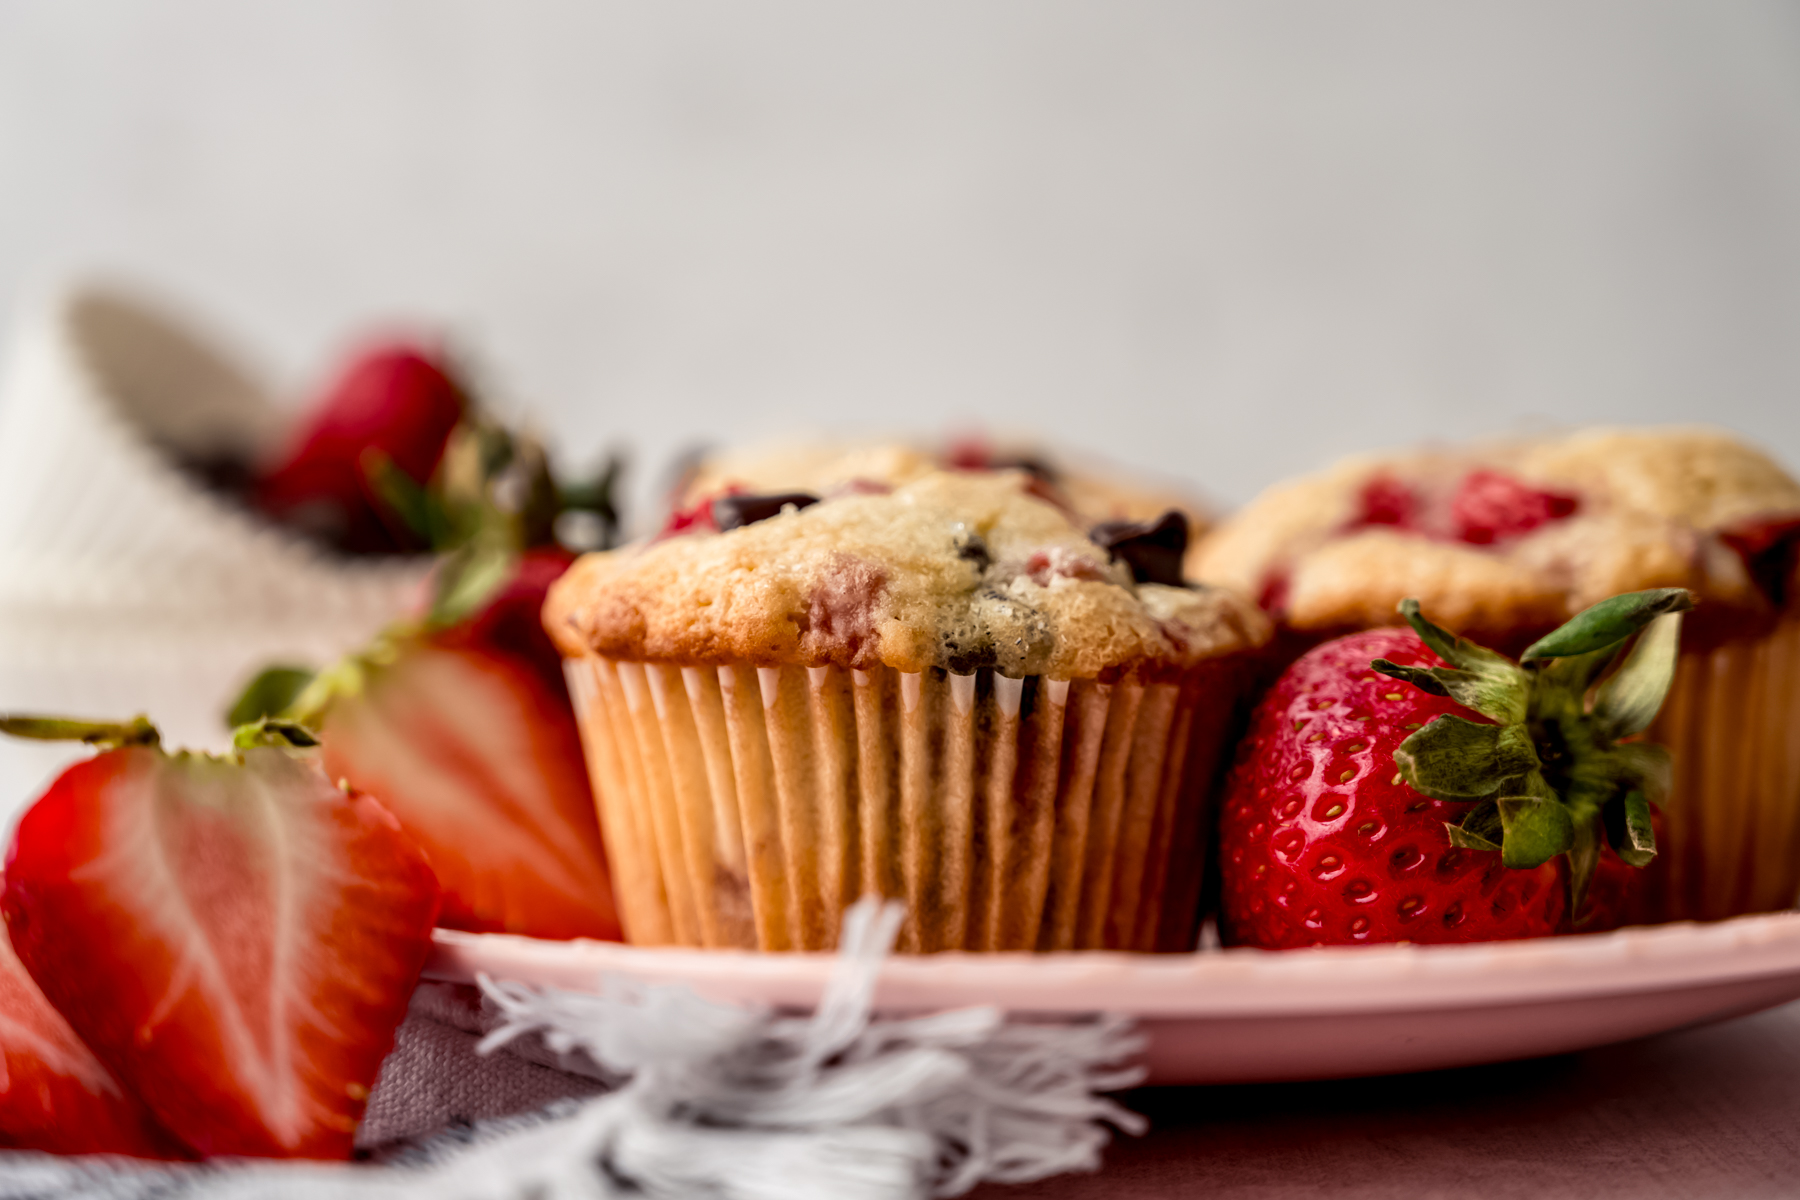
{"points": [[1093, 492], [1504, 541], [946, 692]]}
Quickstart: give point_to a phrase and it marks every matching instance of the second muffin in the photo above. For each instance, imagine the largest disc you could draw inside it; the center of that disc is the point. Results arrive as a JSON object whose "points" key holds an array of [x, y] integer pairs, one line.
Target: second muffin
{"points": [[1503, 541], [948, 693]]}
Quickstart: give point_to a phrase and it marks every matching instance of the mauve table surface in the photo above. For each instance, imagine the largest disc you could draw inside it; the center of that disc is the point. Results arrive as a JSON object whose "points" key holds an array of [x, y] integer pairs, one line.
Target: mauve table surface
{"points": [[1705, 1112]]}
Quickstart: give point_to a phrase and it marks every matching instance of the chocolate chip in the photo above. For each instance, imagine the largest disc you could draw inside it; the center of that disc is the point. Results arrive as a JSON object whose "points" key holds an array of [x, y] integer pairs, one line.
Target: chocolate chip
{"points": [[730, 512], [971, 548], [1152, 549]]}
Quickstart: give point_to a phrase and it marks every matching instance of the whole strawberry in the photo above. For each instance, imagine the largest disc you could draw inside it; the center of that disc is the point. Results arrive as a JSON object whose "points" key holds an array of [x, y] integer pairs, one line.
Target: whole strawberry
{"points": [[394, 405], [1406, 785]]}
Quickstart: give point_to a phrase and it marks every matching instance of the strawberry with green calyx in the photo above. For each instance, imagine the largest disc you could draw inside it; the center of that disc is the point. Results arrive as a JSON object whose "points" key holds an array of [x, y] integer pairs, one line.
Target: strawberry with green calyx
{"points": [[1361, 809], [234, 937], [1548, 770]]}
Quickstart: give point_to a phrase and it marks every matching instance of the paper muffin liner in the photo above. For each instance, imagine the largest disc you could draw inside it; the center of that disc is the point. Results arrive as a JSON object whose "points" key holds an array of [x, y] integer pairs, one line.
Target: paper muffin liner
{"points": [[746, 807], [1731, 824]]}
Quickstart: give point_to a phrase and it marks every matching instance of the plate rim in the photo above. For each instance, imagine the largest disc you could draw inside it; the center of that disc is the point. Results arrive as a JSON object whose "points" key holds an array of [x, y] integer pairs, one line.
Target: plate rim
{"points": [[1238, 982]]}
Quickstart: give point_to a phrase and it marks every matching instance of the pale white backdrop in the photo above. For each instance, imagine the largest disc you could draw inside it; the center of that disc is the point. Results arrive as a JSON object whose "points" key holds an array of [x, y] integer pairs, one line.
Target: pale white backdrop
{"points": [[1222, 241]]}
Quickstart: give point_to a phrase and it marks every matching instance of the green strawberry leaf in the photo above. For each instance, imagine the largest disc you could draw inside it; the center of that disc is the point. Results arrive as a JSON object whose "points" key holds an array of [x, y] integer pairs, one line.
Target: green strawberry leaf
{"points": [[272, 691], [1588, 781], [1629, 699], [1458, 652], [1609, 622], [1629, 830], [469, 578], [1538, 828], [1480, 828], [1423, 678], [1490, 693], [1454, 759], [1575, 674], [416, 506], [1584, 856]]}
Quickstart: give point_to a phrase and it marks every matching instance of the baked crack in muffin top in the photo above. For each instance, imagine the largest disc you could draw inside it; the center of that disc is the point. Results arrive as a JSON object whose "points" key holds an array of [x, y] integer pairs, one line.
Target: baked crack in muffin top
{"points": [[961, 571]]}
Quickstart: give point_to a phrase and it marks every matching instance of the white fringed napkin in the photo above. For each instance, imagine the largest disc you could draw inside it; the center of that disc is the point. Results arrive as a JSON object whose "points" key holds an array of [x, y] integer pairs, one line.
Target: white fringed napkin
{"points": [[725, 1103]]}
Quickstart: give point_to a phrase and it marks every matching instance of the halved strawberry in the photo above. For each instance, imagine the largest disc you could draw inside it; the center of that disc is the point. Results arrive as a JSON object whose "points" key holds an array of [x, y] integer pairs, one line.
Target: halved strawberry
{"points": [[467, 734], [480, 760], [54, 1094], [234, 937]]}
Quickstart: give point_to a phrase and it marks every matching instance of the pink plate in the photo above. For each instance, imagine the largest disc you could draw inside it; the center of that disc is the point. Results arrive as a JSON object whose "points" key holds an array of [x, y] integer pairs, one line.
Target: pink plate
{"points": [[1236, 1016]]}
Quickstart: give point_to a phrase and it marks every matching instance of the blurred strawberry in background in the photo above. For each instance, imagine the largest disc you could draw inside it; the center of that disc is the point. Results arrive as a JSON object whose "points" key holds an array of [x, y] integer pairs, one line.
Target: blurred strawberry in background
{"points": [[396, 400]]}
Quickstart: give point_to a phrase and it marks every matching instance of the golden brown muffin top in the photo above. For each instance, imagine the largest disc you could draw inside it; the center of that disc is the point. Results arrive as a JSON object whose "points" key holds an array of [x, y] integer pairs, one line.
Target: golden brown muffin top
{"points": [[955, 570], [1511, 535], [1096, 491]]}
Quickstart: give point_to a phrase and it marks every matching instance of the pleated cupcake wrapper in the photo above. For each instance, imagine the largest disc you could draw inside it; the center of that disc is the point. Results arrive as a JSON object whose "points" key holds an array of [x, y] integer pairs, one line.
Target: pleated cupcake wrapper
{"points": [[1731, 826], [746, 807]]}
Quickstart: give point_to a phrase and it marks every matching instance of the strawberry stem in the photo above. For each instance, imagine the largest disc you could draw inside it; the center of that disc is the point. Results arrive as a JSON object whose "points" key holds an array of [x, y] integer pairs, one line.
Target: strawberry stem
{"points": [[272, 731], [136, 732]]}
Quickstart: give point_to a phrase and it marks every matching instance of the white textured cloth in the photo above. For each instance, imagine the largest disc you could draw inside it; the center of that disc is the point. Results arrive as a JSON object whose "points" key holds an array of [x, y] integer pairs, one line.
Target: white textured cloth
{"points": [[653, 1092]]}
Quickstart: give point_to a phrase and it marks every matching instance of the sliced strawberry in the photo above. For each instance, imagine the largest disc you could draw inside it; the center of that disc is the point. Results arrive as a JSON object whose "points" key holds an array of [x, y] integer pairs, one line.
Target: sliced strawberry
{"points": [[395, 400], [234, 937], [54, 1094], [467, 734], [481, 761]]}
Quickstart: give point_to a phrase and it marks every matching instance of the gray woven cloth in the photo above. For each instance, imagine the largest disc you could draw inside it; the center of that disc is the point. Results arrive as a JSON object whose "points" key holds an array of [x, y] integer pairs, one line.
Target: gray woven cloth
{"points": [[435, 1081]]}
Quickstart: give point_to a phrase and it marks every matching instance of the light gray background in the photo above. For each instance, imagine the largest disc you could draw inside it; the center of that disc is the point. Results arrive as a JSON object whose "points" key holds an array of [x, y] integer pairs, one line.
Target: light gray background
{"points": [[1222, 241]]}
